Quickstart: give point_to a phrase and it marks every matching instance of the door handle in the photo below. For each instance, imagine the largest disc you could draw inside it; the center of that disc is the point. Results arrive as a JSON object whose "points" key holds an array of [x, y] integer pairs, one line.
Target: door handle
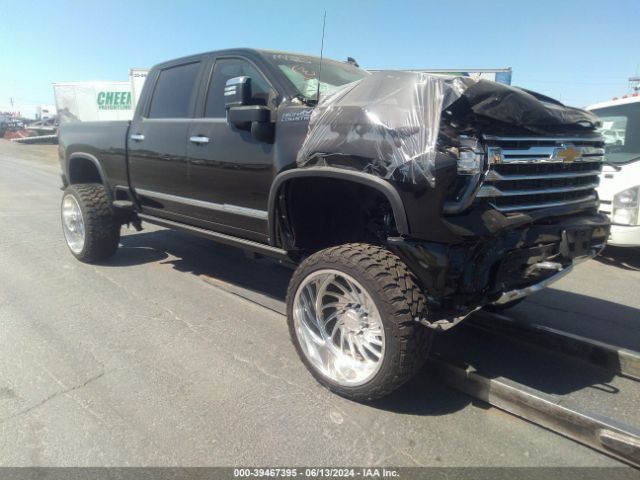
{"points": [[138, 137], [199, 139]]}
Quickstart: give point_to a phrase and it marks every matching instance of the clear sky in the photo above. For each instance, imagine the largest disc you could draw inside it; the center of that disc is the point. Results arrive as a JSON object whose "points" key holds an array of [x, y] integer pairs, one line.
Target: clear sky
{"points": [[577, 51]]}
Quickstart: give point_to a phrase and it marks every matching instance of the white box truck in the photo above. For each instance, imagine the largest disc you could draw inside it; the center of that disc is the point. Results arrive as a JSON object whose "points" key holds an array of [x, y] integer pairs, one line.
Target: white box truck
{"points": [[137, 77], [500, 75], [100, 100], [619, 189], [93, 101]]}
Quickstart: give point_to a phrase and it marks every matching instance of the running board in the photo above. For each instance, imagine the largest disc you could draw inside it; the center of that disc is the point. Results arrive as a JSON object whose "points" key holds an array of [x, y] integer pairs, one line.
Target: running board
{"points": [[242, 243]]}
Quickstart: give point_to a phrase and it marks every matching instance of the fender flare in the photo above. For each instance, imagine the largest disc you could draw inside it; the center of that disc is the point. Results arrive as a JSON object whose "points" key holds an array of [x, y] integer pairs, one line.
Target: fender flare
{"points": [[377, 183], [93, 159]]}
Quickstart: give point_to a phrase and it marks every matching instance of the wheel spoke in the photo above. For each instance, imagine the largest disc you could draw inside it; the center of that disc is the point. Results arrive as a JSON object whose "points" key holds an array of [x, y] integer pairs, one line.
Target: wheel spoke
{"points": [[73, 224], [372, 350], [339, 327], [336, 327], [360, 348]]}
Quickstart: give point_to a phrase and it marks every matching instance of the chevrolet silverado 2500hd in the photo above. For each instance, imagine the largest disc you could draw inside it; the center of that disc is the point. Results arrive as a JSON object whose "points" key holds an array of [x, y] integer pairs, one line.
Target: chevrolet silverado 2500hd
{"points": [[405, 200]]}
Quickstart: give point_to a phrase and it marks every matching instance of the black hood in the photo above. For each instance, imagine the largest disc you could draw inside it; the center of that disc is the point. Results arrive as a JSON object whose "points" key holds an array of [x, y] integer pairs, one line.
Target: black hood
{"points": [[492, 105]]}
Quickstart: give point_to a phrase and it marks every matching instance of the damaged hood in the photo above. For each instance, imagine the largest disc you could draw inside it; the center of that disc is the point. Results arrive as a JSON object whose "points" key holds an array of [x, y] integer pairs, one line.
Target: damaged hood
{"points": [[514, 108], [391, 120]]}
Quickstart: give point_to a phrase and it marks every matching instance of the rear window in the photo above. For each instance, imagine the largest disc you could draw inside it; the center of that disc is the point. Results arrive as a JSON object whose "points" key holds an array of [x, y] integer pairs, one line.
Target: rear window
{"points": [[173, 92]]}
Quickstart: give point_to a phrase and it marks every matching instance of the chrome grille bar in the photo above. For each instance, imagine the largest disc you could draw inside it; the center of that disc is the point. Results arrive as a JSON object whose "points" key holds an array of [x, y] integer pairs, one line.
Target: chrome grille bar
{"points": [[498, 138], [527, 173], [536, 206], [491, 191], [493, 176]]}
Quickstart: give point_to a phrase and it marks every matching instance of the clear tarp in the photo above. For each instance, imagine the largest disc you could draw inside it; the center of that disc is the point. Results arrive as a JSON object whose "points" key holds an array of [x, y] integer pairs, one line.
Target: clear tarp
{"points": [[390, 118]]}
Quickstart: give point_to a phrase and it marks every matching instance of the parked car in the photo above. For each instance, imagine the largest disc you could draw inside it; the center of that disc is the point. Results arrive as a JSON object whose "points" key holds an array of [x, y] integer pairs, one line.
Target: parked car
{"points": [[8, 123], [406, 201], [619, 188]]}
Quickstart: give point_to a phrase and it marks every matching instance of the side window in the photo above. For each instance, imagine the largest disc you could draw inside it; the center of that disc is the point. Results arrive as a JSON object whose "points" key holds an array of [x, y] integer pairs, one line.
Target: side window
{"points": [[234, 67], [172, 94]]}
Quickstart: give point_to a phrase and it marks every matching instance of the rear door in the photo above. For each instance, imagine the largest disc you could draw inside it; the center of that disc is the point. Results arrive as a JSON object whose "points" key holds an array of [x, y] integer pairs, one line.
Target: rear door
{"points": [[157, 144], [230, 172]]}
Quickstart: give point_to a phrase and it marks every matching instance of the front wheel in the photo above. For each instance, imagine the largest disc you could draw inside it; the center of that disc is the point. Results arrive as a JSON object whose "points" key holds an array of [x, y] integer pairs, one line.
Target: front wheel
{"points": [[352, 313], [90, 228]]}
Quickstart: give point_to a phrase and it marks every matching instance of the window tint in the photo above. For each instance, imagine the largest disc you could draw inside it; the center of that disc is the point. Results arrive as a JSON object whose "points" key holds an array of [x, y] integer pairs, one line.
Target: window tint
{"points": [[172, 95], [228, 68]]}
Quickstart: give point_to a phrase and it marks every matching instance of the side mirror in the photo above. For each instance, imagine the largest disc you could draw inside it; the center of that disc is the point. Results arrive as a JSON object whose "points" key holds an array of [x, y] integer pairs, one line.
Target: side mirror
{"points": [[237, 92], [245, 116]]}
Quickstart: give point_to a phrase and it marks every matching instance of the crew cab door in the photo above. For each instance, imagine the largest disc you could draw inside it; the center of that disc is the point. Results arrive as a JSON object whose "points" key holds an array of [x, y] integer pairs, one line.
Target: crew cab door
{"points": [[157, 143], [230, 172]]}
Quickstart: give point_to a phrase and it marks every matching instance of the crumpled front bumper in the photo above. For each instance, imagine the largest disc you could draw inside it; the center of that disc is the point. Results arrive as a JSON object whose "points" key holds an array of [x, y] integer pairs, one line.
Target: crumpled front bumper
{"points": [[510, 264], [519, 293]]}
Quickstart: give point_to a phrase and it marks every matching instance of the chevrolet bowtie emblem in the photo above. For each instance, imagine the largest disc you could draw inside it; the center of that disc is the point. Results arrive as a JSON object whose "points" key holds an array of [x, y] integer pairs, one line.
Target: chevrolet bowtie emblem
{"points": [[566, 153]]}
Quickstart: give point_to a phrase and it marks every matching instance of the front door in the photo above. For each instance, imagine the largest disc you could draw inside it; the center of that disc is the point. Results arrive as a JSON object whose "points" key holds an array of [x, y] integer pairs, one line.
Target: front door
{"points": [[157, 142], [230, 172]]}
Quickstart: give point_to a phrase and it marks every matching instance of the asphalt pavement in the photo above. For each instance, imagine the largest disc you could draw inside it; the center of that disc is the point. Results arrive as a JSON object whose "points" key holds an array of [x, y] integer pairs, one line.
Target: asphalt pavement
{"points": [[144, 360]]}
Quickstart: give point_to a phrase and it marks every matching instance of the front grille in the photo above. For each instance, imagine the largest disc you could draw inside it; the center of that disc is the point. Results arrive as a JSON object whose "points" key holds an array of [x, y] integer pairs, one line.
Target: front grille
{"points": [[527, 173]]}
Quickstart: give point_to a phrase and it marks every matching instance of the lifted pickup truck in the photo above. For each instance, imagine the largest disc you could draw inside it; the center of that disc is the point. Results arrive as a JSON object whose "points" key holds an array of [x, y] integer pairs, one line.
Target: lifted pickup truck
{"points": [[406, 200]]}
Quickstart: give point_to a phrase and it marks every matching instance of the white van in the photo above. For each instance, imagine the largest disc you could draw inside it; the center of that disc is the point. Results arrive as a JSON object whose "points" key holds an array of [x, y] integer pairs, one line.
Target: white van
{"points": [[619, 188]]}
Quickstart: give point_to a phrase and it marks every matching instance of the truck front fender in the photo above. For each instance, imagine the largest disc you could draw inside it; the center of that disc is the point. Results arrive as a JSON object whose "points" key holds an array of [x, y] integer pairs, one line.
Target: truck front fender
{"points": [[376, 183]]}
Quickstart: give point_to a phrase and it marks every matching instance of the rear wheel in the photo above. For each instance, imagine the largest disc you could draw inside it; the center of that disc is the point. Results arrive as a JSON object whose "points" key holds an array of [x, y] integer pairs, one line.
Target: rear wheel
{"points": [[351, 312], [90, 228]]}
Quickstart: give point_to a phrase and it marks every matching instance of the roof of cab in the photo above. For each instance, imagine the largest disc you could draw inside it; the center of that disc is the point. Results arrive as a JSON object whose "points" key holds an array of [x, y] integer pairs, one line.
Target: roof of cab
{"points": [[229, 51]]}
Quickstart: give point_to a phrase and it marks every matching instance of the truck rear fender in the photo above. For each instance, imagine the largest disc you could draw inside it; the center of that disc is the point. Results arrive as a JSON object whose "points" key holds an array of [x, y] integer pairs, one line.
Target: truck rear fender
{"points": [[84, 167], [281, 231]]}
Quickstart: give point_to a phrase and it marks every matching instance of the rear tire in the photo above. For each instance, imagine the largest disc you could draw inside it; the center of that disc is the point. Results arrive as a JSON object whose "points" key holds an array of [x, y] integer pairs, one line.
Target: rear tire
{"points": [[90, 228], [365, 341]]}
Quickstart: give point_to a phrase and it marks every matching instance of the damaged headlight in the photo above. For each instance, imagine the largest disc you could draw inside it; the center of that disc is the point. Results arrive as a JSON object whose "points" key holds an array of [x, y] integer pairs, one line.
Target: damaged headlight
{"points": [[625, 207], [470, 160], [470, 156]]}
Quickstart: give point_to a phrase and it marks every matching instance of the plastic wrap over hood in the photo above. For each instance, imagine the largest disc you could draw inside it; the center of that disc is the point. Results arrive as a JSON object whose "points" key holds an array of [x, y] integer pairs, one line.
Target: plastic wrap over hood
{"points": [[391, 120]]}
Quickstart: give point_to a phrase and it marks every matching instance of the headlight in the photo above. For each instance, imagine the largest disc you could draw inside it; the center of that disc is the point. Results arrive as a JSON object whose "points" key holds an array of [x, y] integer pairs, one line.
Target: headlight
{"points": [[625, 207], [470, 156]]}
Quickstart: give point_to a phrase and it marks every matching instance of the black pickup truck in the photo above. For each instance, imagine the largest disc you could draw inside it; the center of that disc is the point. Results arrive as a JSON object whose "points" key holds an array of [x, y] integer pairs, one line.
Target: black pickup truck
{"points": [[406, 201]]}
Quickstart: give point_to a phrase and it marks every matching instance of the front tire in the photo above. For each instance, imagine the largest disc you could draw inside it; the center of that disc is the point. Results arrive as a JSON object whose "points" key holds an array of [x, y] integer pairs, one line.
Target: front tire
{"points": [[352, 313], [90, 228]]}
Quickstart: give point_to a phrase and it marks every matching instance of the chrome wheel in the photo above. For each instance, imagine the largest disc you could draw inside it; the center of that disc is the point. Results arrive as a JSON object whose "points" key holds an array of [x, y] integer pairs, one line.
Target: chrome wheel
{"points": [[339, 327], [73, 224]]}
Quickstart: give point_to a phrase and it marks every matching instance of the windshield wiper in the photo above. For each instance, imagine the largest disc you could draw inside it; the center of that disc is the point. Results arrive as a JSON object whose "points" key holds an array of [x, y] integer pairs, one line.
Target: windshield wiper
{"points": [[307, 101]]}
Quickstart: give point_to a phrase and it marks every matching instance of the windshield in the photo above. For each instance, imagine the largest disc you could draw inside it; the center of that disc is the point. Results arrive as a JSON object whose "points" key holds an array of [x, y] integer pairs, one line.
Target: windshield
{"points": [[303, 72], [621, 132]]}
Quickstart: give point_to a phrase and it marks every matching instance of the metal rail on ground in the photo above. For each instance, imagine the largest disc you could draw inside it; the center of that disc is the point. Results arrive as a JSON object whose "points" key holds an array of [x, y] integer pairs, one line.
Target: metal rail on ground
{"points": [[603, 434]]}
